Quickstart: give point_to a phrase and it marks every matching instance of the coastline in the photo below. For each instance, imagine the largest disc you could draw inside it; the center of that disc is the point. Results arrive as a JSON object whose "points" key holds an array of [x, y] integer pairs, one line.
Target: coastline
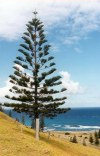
{"points": [[81, 136]]}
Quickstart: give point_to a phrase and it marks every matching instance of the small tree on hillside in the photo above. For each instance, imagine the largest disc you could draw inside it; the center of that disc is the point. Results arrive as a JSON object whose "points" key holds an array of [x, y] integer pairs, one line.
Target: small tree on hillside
{"points": [[95, 134], [96, 141], [33, 123], [10, 113], [91, 139], [17, 119], [74, 140], [42, 123], [35, 80], [23, 119], [99, 133]]}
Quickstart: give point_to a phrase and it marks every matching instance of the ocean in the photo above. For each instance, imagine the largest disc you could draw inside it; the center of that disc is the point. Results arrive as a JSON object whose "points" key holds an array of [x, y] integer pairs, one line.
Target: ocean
{"points": [[77, 119]]}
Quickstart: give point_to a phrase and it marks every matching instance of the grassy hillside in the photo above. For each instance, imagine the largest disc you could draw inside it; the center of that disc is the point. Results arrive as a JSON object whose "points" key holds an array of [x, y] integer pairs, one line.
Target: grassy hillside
{"points": [[13, 142]]}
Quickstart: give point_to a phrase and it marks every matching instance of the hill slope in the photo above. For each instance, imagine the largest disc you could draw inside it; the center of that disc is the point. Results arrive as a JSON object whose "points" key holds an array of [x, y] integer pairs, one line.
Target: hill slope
{"points": [[13, 142]]}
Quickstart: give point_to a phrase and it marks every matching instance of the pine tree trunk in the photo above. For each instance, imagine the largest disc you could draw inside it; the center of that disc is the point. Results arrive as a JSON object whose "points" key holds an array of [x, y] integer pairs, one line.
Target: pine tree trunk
{"points": [[37, 128]]}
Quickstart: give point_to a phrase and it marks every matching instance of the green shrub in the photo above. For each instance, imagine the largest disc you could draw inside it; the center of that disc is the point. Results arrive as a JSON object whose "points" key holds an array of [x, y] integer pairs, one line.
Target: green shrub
{"points": [[91, 139], [67, 133], [95, 134], [74, 140], [96, 141], [10, 113], [23, 119], [99, 133]]}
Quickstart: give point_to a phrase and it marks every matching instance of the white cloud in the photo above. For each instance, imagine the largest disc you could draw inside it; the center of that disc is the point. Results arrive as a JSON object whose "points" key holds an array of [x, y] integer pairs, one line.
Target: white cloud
{"points": [[20, 67], [78, 96], [8, 85], [54, 48], [72, 86], [71, 39], [83, 100], [5, 91], [77, 17], [78, 50]]}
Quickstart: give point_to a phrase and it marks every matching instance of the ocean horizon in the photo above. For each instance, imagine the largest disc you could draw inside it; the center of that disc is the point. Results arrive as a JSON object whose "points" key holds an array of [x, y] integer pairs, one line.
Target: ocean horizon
{"points": [[77, 119]]}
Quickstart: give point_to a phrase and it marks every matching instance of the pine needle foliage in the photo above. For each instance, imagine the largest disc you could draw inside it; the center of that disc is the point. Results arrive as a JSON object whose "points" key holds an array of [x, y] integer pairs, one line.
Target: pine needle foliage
{"points": [[35, 80]]}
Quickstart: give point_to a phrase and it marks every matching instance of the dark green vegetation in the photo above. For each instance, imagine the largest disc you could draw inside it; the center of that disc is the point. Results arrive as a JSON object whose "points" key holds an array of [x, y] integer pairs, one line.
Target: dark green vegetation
{"points": [[95, 139], [10, 113], [23, 119], [91, 139], [74, 139]]}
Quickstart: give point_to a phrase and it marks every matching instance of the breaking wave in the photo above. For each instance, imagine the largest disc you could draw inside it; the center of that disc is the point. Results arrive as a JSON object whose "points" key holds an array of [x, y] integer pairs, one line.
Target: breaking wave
{"points": [[81, 127]]}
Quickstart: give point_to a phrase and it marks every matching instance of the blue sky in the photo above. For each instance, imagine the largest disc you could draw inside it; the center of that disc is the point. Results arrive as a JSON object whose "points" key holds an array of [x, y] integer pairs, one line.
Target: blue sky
{"points": [[73, 32]]}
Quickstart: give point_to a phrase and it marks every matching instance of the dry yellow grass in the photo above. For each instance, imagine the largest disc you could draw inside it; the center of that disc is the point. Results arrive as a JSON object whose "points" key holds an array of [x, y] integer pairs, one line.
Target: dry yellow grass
{"points": [[15, 143]]}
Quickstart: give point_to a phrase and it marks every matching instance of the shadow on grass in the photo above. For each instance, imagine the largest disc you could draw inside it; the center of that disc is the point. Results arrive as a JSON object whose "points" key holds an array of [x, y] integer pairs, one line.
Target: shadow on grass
{"points": [[29, 132], [54, 143], [50, 141]]}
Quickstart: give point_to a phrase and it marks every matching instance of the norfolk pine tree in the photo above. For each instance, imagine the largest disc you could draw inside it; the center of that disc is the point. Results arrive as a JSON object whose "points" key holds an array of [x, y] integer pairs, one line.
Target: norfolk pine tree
{"points": [[34, 87]]}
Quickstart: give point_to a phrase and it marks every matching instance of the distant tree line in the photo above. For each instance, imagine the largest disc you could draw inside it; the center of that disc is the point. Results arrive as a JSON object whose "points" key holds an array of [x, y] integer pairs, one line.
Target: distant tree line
{"points": [[94, 139]]}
